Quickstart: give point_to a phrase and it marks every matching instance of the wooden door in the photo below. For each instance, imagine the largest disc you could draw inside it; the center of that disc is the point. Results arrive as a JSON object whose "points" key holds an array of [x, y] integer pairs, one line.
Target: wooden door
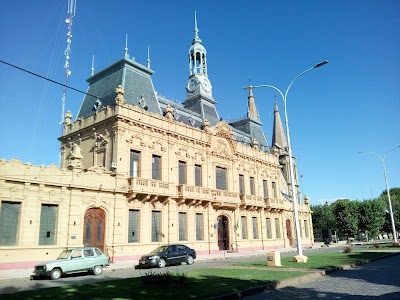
{"points": [[94, 228], [223, 233]]}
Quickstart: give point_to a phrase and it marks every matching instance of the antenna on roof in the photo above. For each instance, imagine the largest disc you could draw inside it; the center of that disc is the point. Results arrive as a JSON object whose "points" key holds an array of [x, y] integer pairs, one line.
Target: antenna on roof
{"points": [[126, 46], [92, 69], [148, 56], [67, 53]]}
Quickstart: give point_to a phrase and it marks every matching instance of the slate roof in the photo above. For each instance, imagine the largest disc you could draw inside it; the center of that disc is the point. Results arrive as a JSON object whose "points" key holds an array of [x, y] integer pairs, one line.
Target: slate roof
{"points": [[139, 91], [135, 80]]}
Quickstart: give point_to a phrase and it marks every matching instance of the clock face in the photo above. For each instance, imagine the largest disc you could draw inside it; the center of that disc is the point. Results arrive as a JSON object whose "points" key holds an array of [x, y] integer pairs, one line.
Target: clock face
{"points": [[193, 84], [206, 85]]}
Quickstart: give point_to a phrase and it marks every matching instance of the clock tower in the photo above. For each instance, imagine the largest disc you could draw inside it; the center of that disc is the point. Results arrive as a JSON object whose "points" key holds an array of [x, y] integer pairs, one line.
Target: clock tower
{"points": [[198, 88], [198, 79]]}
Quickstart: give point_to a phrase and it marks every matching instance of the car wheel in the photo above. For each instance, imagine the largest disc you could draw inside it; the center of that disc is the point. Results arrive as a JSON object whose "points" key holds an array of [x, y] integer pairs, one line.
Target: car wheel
{"points": [[55, 274], [189, 260], [97, 270], [161, 263]]}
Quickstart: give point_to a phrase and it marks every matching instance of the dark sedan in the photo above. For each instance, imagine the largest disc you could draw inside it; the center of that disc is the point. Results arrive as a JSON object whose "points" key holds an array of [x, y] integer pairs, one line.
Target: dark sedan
{"points": [[168, 255]]}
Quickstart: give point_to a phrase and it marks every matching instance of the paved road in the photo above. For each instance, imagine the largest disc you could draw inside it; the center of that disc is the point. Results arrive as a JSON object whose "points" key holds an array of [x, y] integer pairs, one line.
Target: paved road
{"points": [[376, 280]]}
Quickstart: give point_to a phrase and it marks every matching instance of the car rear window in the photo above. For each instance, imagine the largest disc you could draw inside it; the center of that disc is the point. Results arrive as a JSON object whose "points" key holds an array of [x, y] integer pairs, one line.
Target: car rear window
{"points": [[98, 252], [88, 252]]}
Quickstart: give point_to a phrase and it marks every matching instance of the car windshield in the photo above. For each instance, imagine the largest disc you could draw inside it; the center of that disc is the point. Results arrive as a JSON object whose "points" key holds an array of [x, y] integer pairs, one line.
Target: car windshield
{"points": [[65, 254], [160, 249]]}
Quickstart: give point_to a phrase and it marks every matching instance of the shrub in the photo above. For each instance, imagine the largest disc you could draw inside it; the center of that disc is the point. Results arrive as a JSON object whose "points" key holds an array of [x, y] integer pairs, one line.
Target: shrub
{"points": [[167, 278], [375, 246], [347, 249]]}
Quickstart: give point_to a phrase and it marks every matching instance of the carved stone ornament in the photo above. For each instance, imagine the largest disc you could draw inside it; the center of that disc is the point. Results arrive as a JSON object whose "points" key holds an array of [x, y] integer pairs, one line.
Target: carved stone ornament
{"points": [[119, 99], [255, 144], [67, 118], [206, 125], [168, 113]]}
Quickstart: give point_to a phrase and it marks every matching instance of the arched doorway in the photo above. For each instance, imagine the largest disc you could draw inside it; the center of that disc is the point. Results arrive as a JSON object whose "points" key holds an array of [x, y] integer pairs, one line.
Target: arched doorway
{"points": [[94, 228], [289, 234], [223, 233]]}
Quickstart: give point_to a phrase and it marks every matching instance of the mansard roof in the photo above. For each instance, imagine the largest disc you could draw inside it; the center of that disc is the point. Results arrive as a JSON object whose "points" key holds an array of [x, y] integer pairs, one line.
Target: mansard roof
{"points": [[135, 80]]}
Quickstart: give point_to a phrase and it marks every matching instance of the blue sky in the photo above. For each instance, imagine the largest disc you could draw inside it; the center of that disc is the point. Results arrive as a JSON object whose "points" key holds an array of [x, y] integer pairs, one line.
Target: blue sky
{"points": [[350, 105]]}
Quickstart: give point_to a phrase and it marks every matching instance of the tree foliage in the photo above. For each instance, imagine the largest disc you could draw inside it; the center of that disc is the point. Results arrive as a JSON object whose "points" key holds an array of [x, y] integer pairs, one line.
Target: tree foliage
{"points": [[345, 212], [371, 216], [395, 199], [323, 217]]}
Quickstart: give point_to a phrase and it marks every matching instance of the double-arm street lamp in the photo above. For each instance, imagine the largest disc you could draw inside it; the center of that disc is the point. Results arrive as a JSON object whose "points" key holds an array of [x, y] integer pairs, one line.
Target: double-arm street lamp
{"points": [[294, 192], [387, 188]]}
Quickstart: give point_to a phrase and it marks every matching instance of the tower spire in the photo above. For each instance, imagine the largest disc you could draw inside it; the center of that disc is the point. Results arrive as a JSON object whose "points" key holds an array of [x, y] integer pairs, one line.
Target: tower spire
{"points": [[278, 135], [251, 106]]}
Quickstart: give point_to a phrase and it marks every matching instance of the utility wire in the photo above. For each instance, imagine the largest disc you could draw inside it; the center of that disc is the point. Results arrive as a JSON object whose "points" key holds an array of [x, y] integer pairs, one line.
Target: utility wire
{"points": [[48, 79]]}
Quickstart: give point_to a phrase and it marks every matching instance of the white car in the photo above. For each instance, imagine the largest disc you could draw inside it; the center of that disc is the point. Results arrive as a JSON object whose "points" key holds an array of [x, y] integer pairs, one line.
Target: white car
{"points": [[74, 260]]}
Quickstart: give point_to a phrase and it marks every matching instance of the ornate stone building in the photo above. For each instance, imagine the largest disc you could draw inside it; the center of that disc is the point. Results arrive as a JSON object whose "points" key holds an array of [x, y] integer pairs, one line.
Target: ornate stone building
{"points": [[138, 170]]}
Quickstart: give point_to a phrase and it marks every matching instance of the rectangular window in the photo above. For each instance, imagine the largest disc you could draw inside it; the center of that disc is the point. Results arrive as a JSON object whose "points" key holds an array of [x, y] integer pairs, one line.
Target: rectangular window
{"points": [[255, 231], [277, 229], [156, 167], [9, 217], [155, 226], [274, 190], [265, 189], [199, 227], [306, 228], [244, 227], [252, 186], [134, 164], [220, 178], [182, 226], [48, 219], [268, 226], [197, 175], [241, 184], [133, 226], [182, 172]]}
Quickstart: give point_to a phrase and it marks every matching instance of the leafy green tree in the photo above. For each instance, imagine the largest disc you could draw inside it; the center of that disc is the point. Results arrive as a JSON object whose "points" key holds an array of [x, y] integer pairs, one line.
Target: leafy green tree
{"points": [[322, 217], [371, 216], [395, 199], [345, 212]]}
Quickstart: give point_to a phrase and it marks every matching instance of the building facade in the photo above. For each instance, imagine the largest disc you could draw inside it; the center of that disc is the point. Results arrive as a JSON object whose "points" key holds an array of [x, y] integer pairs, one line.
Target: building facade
{"points": [[138, 170]]}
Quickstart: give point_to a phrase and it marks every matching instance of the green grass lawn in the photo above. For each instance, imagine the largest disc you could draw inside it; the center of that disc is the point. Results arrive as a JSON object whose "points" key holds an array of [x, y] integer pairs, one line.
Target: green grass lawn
{"points": [[200, 284], [322, 260]]}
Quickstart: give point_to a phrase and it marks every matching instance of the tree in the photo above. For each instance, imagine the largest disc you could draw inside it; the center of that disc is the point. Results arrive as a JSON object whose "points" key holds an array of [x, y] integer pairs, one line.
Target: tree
{"points": [[323, 219], [371, 216], [345, 212], [395, 199]]}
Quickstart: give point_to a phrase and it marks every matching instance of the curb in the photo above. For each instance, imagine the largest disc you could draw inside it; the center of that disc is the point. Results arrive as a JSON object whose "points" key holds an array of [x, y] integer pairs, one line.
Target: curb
{"points": [[291, 281]]}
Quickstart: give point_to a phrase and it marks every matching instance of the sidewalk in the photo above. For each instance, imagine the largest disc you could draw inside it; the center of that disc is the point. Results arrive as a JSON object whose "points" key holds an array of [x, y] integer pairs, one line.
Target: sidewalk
{"points": [[24, 273]]}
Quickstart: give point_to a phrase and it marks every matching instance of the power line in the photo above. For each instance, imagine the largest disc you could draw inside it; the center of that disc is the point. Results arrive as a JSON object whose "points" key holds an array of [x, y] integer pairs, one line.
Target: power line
{"points": [[51, 80]]}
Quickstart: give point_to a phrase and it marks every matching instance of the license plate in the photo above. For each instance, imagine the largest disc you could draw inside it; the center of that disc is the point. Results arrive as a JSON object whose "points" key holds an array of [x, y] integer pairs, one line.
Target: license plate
{"points": [[142, 262]]}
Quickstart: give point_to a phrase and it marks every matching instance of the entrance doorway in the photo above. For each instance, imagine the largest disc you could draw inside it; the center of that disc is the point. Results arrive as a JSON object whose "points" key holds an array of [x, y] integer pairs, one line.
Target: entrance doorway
{"points": [[223, 233], [289, 234], [94, 228]]}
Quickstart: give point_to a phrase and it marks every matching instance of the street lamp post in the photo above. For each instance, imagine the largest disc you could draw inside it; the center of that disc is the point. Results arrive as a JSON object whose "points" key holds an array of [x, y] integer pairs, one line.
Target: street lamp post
{"points": [[387, 188], [294, 192]]}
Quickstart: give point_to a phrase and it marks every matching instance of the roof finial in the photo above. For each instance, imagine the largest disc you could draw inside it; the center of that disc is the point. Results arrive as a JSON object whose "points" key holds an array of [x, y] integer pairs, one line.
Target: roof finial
{"points": [[148, 56], [196, 30], [92, 69], [126, 46]]}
